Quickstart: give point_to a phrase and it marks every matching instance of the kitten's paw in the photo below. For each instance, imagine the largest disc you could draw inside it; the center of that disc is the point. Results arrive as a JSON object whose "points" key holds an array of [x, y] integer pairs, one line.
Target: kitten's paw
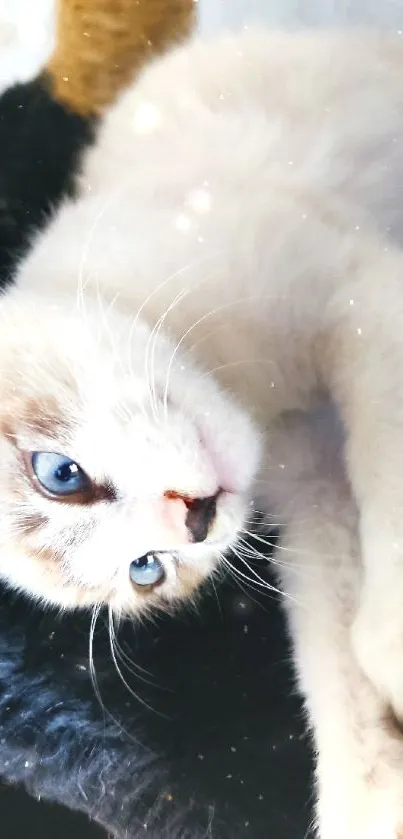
{"points": [[360, 822], [364, 806], [379, 652]]}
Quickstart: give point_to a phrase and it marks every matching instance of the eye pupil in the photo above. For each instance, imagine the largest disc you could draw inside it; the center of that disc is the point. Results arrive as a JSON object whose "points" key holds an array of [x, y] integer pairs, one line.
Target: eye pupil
{"points": [[143, 561], [66, 472]]}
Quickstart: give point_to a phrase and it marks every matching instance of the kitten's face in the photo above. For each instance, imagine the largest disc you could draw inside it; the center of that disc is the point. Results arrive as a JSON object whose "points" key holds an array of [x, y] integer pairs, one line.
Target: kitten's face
{"points": [[120, 482]]}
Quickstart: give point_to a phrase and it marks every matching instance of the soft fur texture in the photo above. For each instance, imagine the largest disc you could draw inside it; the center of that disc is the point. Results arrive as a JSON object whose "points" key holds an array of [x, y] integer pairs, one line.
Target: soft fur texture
{"points": [[247, 227], [63, 745]]}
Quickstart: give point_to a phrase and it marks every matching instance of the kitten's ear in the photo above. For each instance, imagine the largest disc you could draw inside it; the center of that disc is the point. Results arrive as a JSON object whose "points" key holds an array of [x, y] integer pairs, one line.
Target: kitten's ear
{"points": [[102, 43]]}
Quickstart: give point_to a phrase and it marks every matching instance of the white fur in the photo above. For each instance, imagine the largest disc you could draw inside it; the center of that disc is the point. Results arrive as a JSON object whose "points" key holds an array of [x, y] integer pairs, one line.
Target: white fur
{"points": [[244, 202]]}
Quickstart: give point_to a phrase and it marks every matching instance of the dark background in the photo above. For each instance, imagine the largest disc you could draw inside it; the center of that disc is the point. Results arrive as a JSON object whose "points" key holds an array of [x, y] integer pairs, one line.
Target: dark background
{"points": [[223, 716]]}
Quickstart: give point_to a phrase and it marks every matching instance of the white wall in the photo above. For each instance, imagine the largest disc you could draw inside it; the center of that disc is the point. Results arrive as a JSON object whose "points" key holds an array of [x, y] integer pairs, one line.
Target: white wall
{"points": [[26, 37], [219, 14]]}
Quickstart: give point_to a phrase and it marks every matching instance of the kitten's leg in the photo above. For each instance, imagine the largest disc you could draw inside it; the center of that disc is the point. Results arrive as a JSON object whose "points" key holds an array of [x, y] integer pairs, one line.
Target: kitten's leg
{"points": [[365, 369], [359, 754]]}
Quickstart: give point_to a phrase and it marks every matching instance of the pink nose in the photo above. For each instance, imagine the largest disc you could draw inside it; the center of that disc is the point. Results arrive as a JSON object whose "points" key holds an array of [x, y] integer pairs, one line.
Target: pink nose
{"points": [[192, 517]]}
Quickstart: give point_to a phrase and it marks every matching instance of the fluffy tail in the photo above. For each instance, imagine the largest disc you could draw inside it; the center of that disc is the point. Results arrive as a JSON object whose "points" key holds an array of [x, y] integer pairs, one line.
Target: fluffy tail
{"points": [[101, 43]]}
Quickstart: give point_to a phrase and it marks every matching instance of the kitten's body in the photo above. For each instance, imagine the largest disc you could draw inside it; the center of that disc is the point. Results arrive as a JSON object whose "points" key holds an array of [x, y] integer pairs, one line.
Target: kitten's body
{"points": [[242, 200]]}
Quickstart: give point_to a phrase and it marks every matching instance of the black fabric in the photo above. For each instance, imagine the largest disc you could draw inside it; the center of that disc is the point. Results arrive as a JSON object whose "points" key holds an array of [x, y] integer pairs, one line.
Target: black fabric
{"points": [[39, 146], [221, 741], [220, 751]]}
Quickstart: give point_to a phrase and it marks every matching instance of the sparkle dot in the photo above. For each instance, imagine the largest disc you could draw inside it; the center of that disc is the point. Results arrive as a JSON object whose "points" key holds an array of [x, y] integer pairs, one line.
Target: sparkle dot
{"points": [[200, 201], [351, 301], [146, 118], [359, 331], [183, 223], [65, 78]]}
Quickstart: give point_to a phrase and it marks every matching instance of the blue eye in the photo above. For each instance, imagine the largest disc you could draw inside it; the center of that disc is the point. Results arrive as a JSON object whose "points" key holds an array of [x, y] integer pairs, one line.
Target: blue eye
{"points": [[147, 570], [59, 475]]}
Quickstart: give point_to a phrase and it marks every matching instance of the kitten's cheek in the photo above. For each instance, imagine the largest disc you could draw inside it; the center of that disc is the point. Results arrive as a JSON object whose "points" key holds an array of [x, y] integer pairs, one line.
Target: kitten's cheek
{"points": [[170, 583], [229, 521]]}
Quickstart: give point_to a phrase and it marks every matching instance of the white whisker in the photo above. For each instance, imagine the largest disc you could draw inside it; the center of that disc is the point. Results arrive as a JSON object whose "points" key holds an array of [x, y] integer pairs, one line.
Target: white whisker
{"points": [[124, 681]]}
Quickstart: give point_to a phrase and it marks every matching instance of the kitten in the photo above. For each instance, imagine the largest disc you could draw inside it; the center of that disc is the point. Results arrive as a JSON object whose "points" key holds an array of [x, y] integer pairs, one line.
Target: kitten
{"points": [[231, 259]]}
